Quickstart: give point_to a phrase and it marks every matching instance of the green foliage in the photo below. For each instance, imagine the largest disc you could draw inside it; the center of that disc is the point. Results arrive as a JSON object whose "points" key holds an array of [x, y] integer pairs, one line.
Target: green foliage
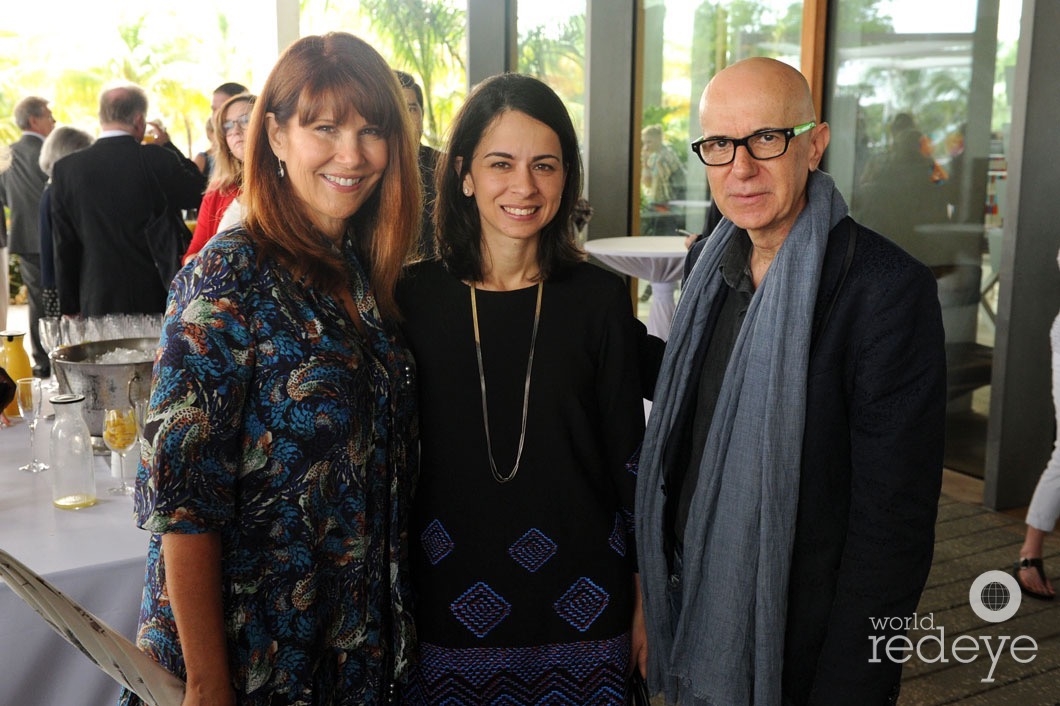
{"points": [[425, 38], [556, 55], [14, 279]]}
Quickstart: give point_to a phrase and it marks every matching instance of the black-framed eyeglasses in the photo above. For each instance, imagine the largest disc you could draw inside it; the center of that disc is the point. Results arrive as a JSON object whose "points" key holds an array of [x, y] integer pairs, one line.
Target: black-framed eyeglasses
{"points": [[761, 145], [242, 121]]}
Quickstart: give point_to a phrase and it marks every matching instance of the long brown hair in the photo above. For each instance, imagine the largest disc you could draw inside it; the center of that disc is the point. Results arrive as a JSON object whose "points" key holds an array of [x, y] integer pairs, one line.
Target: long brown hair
{"points": [[227, 170], [341, 73]]}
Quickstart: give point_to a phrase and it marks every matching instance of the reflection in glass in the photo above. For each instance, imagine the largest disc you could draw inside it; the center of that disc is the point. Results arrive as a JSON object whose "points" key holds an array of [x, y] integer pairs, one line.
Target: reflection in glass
{"points": [[685, 43], [919, 116]]}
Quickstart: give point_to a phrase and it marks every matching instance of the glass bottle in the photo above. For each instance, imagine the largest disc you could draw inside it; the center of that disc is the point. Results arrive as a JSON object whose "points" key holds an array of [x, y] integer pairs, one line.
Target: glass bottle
{"points": [[73, 478], [15, 361]]}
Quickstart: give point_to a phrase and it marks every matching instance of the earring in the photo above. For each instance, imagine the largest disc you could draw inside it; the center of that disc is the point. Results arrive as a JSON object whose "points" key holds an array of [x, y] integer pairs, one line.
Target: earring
{"points": [[467, 190], [280, 171]]}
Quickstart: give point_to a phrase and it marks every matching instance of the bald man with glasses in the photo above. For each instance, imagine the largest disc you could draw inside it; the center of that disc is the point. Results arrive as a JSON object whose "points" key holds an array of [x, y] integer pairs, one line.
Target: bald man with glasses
{"points": [[792, 464]]}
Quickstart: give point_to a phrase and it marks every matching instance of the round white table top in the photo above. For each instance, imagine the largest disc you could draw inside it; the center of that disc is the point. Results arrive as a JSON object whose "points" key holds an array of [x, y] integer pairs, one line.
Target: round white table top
{"points": [[662, 246], [47, 539]]}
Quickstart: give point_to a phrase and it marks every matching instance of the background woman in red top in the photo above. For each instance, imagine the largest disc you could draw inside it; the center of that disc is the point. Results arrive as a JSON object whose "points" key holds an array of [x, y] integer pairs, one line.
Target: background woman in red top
{"points": [[230, 123]]}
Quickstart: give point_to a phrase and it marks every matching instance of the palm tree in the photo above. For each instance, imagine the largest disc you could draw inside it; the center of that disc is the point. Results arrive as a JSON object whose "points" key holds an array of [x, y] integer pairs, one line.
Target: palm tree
{"points": [[426, 37]]}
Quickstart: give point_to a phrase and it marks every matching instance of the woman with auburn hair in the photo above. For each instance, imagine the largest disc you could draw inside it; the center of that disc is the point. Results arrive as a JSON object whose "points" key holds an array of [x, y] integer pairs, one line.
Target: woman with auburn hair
{"points": [[281, 438], [221, 208], [531, 418]]}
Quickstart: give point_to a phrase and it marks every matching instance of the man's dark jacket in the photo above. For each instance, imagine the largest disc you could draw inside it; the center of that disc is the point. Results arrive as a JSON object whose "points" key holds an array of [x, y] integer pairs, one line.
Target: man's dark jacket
{"points": [[871, 470], [102, 197]]}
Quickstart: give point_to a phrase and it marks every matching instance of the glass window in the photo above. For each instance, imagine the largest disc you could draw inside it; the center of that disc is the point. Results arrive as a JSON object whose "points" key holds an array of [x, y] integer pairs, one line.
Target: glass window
{"points": [[426, 39], [552, 48], [920, 115], [685, 43]]}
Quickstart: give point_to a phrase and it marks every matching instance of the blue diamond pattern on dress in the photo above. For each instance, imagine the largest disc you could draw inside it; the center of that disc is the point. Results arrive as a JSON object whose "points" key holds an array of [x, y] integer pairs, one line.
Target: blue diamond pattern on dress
{"points": [[480, 609], [617, 540], [582, 604], [436, 542], [532, 550]]}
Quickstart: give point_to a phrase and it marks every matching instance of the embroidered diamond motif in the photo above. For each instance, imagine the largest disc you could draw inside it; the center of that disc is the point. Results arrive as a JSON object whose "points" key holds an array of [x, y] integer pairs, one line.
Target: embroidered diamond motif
{"points": [[617, 540], [582, 604], [480, 609], [436, 542], [532, 550]]}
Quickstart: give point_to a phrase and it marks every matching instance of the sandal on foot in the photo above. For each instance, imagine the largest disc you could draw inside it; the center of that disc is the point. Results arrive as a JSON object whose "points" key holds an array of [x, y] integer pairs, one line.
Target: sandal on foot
{"points": [[1037, 565]]}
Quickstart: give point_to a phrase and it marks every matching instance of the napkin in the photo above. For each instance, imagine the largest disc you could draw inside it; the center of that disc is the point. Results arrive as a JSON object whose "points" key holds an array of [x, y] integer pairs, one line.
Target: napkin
{"points": [[111, 651]]}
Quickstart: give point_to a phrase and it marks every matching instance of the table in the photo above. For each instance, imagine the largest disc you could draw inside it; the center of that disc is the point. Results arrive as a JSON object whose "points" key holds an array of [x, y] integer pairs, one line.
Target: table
{"points": [[657, 258], [96, 556]]}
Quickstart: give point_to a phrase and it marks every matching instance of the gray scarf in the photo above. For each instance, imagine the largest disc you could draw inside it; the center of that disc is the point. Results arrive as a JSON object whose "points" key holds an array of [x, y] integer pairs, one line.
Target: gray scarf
{"points": [[728, 646]]}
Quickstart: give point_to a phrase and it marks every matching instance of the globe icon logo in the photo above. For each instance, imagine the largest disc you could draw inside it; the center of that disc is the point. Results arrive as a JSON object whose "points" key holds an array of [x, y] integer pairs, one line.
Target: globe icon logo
{"points": [[995, 595]]}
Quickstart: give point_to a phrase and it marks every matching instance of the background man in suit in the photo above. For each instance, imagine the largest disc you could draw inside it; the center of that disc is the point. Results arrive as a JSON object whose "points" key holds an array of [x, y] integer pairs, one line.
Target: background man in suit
{"points": [[792, 464], [428, 158], [21, 185], [102, 198]]}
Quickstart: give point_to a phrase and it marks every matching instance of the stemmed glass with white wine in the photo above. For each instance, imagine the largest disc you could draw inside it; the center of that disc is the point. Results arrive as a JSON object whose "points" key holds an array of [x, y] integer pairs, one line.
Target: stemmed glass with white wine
{"points": [[119, 434], [29, 395]]}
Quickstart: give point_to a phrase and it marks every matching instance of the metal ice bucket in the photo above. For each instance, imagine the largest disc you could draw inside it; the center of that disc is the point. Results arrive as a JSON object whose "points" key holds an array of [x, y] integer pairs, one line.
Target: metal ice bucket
{"points": [[104, 385]]}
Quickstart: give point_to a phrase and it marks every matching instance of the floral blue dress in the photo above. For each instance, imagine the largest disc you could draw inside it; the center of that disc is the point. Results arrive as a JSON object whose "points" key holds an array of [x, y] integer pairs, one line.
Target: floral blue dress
{"points": [[274, 423]]}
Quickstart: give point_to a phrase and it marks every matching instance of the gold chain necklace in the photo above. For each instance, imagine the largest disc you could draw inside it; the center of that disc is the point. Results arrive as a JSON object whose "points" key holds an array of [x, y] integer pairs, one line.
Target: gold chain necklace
{"points": [[526, 389]]}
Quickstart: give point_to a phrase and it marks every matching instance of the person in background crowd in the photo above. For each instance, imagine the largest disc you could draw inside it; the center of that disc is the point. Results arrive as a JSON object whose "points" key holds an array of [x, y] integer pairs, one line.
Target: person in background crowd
{"points": [[221, 208], [21, 185], [281, 441], [63, 141], [792, 464], [1045, 503], [205, 160], [102, 197], [531, 417], [428, 158], [224, 92]]}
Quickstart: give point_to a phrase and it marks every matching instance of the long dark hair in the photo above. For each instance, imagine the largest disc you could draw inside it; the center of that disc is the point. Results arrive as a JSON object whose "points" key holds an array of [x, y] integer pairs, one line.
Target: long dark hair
{"points": [[343, 73], [456, 218]]}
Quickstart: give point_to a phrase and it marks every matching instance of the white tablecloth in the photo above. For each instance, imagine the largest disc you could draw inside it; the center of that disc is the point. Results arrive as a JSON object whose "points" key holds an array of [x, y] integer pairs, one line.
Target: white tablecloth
{"points": [[656, 258], [96, 556]]}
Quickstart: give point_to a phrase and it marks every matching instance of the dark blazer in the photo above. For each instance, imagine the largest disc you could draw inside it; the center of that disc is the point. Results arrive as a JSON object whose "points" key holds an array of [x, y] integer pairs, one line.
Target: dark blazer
{"points": [[871, 470], [101, 200], [21, 185]]}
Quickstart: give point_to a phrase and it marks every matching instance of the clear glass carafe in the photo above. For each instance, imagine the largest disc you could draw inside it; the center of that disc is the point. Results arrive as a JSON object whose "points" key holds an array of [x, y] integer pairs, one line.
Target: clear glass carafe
{"points": [[73, 478]]}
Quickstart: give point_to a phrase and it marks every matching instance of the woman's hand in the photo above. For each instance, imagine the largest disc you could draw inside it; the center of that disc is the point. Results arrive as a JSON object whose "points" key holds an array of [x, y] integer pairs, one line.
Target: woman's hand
{"points": [[639, 632]]}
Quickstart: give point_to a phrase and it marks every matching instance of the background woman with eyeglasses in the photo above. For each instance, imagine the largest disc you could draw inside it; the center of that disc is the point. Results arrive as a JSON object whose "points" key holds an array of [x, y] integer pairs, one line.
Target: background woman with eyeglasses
{"points": [[221, 208]]}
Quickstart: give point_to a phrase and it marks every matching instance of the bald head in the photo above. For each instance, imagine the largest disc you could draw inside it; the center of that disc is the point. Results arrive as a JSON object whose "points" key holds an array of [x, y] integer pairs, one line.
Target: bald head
{"points": [[763, 86]]}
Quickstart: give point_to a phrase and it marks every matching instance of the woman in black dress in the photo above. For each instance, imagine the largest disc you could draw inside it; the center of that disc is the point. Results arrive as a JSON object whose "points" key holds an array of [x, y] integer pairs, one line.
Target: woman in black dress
{"points": [[531, 420]]}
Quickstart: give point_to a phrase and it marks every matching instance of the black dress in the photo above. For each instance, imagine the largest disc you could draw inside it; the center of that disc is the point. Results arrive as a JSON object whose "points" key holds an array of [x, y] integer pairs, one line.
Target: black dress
{"points": [[524, 589]]}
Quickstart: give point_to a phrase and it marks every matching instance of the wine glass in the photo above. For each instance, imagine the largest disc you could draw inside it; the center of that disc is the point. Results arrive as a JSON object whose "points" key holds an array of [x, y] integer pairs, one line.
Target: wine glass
{"points": [[48, 328], [119, 434], [29, 396]]}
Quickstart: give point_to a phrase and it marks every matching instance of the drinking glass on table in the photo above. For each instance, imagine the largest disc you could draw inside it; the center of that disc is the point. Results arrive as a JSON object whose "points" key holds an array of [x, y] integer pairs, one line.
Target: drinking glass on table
{"points": [[119, 434], [48, 328], [29, 394]]}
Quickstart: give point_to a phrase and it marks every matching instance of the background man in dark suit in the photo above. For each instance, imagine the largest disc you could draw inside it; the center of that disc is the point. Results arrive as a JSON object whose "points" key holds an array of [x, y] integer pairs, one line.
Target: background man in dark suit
{"points": [[792, 464], [21, 185], [428, 158], [102, 197]]}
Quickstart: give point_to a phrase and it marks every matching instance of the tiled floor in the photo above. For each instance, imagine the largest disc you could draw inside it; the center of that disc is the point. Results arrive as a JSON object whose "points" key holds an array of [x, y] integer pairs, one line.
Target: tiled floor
{"points": [[969, 540]]}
